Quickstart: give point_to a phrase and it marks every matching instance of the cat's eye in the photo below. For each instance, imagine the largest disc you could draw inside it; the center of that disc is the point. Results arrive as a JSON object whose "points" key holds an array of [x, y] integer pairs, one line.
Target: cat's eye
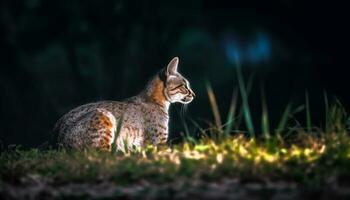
{"points": [[183, 89]]}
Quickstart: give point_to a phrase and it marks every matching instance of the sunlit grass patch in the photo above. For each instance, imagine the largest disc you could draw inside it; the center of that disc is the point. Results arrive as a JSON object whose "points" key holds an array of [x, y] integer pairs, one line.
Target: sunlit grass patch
{"points": [[232, 157]]}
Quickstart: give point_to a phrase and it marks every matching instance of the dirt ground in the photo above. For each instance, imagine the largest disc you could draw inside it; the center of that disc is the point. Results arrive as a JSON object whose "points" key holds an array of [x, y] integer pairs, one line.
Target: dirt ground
{"points": [[33, 188]]}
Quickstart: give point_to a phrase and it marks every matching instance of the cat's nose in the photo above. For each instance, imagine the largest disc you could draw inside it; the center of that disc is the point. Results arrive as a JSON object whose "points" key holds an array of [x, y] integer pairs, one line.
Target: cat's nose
{"points": [[192, 94]]}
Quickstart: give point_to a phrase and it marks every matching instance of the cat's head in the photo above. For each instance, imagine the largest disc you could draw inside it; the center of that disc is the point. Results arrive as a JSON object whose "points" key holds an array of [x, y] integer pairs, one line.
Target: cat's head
{"points": [[177, 88]]}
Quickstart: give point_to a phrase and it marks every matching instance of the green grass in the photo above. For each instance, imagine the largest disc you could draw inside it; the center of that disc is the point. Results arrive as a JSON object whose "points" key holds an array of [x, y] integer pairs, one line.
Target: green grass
{"points": [[308, 160]]}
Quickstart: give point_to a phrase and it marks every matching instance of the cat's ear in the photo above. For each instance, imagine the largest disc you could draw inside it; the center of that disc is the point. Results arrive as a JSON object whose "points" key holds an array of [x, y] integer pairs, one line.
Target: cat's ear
{"points": [[171, 69]]}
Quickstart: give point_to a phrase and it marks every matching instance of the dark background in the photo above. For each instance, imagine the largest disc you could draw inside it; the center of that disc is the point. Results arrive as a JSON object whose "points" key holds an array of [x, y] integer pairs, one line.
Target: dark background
{"points": [[56, 55]]}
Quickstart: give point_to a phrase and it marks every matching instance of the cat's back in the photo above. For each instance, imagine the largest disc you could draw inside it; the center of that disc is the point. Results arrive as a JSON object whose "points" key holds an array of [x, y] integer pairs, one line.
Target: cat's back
{"points": [[80, 112]]}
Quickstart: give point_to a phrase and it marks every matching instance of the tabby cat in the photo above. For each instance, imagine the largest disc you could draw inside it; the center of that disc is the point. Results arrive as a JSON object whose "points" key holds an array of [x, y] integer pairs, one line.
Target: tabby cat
{"points": [[141, 120]]}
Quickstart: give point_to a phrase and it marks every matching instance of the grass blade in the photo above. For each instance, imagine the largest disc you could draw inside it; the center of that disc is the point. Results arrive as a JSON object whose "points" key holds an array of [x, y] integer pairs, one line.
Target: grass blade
{"points": [[308, 113], [249, 89], [184, 124], [245, 105], [231, 112], [284, 119], [197, 126], [265, 124], [214, 106]]}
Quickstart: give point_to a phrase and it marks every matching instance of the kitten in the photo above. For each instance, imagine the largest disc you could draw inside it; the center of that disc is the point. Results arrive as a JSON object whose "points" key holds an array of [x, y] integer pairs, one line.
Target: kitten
{"points": [[142, 119]]}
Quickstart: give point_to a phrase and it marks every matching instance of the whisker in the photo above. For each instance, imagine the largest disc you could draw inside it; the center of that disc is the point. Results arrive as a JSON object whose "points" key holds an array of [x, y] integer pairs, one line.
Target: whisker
{"points": [[183, 111], [183, 118]]}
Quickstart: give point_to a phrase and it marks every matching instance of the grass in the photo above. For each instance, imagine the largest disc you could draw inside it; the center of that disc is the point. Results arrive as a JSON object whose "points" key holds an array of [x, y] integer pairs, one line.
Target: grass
{"points": [[313, 160], [300, 155], [307, 156]]}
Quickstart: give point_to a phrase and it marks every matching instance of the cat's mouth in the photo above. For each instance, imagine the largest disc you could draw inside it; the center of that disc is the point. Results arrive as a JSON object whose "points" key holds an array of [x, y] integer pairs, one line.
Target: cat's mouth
{"points": [[187, 99]]}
